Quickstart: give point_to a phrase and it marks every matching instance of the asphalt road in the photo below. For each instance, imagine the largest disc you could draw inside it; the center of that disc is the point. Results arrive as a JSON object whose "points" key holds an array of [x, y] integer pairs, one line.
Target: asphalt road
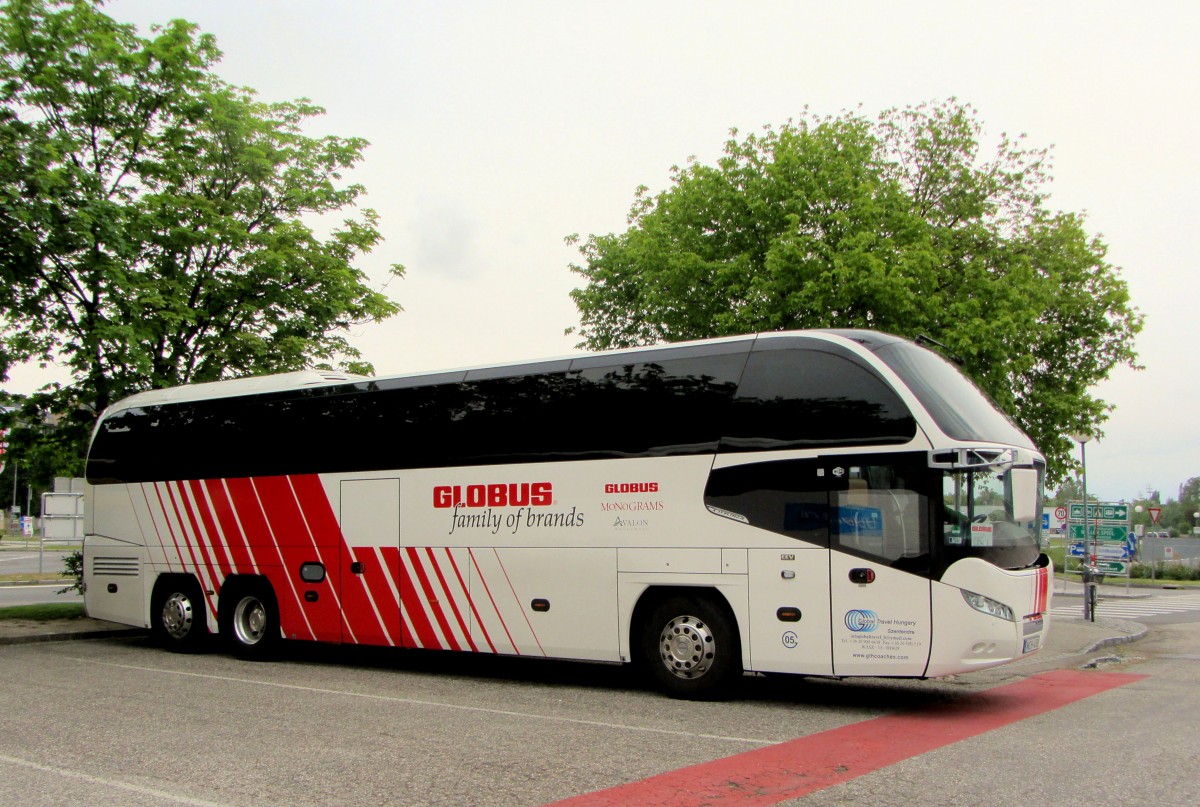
{"points": [[37, 594], [15, 560], [118, 721]]}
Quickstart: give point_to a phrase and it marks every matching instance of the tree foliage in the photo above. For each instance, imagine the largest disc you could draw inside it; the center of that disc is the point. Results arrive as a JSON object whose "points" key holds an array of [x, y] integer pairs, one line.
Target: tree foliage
{"points": [[156, 223], [896, 224]]}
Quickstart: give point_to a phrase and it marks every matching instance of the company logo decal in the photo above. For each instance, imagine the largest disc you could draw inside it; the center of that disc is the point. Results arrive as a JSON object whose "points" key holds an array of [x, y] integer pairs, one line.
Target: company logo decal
{"points": [[862, 621], [524, 494], [510, 506], [635, 506], [631, 487]]}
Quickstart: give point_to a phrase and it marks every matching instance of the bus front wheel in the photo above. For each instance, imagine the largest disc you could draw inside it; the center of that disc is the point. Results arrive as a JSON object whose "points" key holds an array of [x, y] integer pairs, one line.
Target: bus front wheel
{"points": [[690, 646], [251, 625]]}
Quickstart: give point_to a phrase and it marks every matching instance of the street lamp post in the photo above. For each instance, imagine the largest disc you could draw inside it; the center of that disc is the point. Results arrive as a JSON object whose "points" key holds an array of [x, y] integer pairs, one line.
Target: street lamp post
{"points": [[1089, 582]]}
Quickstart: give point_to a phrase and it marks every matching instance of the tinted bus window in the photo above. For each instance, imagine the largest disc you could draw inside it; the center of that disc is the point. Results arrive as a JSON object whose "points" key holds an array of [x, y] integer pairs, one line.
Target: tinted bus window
{"points": [[789, 497], [669, 405], [668, 402], [795, 396]]}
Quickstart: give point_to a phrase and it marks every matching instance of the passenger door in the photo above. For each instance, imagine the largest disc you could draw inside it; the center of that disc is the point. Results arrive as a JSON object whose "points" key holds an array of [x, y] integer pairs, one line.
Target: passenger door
{"points": [[879, 561]]}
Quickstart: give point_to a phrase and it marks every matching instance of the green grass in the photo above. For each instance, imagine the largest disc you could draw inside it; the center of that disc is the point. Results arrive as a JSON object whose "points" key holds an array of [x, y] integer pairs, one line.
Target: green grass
{"points": [[44, 612], [34, 577]]}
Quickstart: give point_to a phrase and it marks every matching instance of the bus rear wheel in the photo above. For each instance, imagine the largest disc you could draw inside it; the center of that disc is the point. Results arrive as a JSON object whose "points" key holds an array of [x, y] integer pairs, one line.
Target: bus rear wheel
{"points": [[690, 646], [251, 624], [178, 618]]}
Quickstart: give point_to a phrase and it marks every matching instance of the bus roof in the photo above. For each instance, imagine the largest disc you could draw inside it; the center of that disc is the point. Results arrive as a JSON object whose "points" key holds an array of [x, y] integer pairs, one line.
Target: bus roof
{"points": [[281, 382], [234, 387]]}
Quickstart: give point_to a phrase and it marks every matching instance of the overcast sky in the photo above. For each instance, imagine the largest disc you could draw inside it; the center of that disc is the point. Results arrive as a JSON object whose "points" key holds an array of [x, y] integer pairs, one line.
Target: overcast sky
{"points": [[499, 128]]}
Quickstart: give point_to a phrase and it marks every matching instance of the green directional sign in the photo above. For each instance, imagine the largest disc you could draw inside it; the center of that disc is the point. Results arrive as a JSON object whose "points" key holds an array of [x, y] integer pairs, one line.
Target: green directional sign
{"points": [[1100, 511], [1099, 532], [1111, 566]]}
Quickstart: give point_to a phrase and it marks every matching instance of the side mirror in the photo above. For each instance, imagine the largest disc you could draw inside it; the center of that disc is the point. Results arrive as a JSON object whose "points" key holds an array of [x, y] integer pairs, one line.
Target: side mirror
{"points": [[1024, 495]]}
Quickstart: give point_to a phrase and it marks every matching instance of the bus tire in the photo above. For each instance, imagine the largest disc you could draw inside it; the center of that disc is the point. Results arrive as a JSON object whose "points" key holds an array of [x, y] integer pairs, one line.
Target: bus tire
{"points": [[250, 623], [689, 645], [178, 619]]}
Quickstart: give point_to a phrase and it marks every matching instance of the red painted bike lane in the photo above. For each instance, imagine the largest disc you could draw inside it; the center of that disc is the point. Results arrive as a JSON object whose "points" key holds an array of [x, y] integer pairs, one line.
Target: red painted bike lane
{"points": [[798, 767]]}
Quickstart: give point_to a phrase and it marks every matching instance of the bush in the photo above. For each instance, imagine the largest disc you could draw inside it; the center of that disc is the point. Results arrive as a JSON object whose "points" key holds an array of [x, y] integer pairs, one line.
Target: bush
{"points": [[1165, 571], [73, 567]]}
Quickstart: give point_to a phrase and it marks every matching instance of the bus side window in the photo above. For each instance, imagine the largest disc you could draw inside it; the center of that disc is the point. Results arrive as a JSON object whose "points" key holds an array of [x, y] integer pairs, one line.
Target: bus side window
{"points": [[879, 515], [789, 497]]}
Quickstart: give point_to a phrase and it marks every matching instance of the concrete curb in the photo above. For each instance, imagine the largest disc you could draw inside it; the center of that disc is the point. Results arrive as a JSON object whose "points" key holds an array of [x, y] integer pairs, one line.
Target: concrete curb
{"points": [[1112, 641], [69, 636]]}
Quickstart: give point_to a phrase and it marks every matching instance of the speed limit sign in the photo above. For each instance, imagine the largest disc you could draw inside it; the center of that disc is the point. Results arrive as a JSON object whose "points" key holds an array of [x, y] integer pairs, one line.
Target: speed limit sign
{"points": [[1060, 513]]}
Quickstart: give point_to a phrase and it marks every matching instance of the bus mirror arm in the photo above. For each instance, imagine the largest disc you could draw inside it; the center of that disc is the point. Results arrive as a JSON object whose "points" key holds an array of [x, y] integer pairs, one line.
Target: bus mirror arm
{"points": [[963, 459]]}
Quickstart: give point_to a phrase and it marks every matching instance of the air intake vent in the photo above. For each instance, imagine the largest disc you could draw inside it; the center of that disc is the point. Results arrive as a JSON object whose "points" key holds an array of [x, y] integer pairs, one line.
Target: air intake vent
{"points": [[115, 567]]}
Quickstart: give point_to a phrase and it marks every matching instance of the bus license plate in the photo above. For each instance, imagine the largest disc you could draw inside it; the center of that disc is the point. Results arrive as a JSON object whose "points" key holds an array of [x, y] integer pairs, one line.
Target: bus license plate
{"points": [[1032, 643]]}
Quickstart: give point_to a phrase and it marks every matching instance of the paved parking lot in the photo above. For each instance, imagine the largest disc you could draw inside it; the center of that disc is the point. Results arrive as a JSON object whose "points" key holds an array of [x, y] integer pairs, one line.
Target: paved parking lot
{"points": [[118, 721], [352, 726]]}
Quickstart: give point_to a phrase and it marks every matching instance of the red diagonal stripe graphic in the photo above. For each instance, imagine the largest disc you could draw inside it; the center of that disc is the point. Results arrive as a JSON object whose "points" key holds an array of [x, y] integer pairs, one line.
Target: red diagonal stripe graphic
{"points": [[288, 533], [162, 509], [412, 607], [154, 523], [387, 583], [210, 529], [462, 624], [470, 601], [239, 551], [179, 494], [249, 510], [488, 590], [431, 598]]}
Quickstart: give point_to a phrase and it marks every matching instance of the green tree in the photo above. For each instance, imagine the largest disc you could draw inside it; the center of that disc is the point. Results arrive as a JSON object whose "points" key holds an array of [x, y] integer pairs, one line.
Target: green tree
{"points": [[157, 224], [895, 224], [1182, 516], [1069, 491]]}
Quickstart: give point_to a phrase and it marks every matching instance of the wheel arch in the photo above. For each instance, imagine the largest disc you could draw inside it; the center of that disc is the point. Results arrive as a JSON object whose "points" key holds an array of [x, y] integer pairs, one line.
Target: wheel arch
{"points": [[250, 588], [687, 641], [166, 584], [236, 585], [719, 595]]}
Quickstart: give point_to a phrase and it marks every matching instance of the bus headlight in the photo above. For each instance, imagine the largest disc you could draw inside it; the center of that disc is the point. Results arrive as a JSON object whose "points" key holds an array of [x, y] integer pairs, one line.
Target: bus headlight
{"points": [[986, 605]]}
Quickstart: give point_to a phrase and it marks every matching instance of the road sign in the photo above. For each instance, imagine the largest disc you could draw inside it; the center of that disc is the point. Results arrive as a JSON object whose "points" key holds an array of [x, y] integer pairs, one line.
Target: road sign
{"points": [[1060, 513], [1100, 511], [1155, 512], [1099, 532], [1111, 566], [1078, 549]]}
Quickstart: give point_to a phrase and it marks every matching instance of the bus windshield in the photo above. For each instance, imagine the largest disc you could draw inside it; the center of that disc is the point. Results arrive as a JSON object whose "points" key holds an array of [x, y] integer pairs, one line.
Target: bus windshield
{"points": [[956, 405], [994, 514]]}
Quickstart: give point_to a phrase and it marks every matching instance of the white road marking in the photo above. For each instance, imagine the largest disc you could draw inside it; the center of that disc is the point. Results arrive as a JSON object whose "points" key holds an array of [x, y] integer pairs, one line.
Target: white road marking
{"points": [[106, 782], [1132, 609], [434, 704]]}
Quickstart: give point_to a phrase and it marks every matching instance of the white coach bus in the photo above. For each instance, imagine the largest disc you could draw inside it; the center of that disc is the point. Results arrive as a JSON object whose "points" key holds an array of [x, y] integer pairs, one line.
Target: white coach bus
{"points": [[826, 503]]}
